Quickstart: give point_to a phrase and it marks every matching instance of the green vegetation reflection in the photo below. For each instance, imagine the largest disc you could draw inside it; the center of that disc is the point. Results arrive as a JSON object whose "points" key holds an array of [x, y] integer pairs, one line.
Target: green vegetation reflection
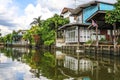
{"points": [[42, 63]]}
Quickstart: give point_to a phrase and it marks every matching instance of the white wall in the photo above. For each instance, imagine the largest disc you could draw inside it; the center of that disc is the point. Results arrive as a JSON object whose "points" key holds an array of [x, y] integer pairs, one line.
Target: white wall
{"points": [[84, 33], [71, 18], [67, 14], [79, 19]]}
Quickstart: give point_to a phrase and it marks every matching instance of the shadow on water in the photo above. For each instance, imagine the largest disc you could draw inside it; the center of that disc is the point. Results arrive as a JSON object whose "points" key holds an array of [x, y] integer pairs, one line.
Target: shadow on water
{"points": [[62, 65]]}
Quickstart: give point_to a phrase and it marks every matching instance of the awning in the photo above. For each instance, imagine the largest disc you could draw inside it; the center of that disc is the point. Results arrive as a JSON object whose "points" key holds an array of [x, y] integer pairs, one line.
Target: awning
{"points": [[73, 24], [98, 16]]}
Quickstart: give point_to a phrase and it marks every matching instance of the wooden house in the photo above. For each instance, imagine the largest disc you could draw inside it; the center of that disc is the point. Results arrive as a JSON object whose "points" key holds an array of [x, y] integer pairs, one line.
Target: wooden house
{"points": [[77, 30]]}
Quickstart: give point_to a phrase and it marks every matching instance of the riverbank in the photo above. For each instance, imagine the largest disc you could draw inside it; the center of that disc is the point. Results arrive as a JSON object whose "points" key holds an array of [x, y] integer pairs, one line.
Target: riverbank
{"points": [[92, 48], [109, 48]]}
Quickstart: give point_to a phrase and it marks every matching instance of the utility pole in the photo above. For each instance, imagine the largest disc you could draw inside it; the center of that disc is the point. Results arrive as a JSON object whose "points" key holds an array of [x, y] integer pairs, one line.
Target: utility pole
{"points": [[75, 3], [78, 2]]}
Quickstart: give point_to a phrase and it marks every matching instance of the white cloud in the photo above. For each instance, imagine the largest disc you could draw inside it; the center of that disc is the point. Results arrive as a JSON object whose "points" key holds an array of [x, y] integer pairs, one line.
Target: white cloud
{"points": [[110, 1], [7, 16], [14, 71], [31, 12], [55, 5], [5, 30], [11, 20], [7, 9]]}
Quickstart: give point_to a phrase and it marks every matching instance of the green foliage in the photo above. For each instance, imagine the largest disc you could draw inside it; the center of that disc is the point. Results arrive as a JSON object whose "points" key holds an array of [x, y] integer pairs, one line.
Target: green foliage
{"points": [[118, 40], [37, 21], [2, 39], [89, 42], [35, 30], [49, 28], [15, 36], [114, 15], [8, 38], [28, 36], [45, 29], [49, 59], [49, 42], [103, 39], [48, 37]]}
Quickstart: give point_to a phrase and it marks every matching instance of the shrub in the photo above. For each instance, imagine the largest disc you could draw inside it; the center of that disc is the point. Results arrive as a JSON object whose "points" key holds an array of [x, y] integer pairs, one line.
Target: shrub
{"points": [[102, 39], [89, 42]]}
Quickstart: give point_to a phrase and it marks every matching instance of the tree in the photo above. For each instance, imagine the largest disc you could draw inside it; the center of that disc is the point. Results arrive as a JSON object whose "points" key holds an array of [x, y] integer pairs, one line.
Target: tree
{"points": [[8, 39], [2, 39], [28, 37], [36, 33], [113, 17], [0, 32], [36, 30], [37, 21], [50, 27], [14, 36]]}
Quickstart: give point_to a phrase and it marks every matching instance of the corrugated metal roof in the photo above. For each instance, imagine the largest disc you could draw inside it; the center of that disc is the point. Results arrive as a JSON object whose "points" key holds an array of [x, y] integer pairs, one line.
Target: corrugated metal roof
{"points": [[80, 7], [65, 9], [73, 24]]}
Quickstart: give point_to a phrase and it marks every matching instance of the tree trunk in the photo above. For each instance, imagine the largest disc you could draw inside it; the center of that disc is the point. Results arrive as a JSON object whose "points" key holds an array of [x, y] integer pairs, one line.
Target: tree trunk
{"points": [[111, 34]]}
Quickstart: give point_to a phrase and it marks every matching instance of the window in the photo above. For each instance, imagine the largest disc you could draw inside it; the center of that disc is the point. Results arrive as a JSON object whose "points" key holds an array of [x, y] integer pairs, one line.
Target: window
{"points": [[70, 36]]}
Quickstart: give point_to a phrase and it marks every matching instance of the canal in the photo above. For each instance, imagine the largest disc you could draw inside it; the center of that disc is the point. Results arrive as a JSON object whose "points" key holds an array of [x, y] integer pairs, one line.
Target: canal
{"points": [[32, 64]]}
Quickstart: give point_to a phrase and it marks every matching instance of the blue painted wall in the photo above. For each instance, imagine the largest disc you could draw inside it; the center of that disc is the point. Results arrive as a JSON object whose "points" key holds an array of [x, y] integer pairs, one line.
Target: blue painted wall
{"points": [[87, 12], [104, 6]]}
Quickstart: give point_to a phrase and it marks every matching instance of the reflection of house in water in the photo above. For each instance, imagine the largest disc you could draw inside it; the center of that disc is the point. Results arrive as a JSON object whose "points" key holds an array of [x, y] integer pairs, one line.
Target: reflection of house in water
{"points": [[74, 67], [89, 67], [19, 49], [78, 65], [22, 49], [74, 63]]}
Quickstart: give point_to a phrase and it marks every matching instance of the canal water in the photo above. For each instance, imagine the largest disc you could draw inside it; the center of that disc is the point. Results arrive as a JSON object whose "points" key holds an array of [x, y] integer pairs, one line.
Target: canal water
{"points": [[31, 64]]}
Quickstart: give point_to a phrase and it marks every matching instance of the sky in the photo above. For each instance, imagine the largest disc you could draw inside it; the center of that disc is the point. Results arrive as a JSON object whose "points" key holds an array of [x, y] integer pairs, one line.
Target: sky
{"points": [[18, 14], [14, 70]]}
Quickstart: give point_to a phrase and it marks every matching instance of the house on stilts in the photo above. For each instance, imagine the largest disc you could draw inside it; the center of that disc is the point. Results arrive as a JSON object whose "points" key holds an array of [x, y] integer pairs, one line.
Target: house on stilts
{"points": [[78, 31]]}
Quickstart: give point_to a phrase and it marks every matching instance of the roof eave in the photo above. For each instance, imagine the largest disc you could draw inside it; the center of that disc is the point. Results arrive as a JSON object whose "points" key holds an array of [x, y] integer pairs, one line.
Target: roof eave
{"points": [[89, 4], [103, 12], [73, 24]]}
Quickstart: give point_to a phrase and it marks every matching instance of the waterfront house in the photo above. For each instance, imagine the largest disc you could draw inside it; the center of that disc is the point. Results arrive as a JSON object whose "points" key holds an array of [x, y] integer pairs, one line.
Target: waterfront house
{"points": [[79, 30], [75, 26], [18, 38]]}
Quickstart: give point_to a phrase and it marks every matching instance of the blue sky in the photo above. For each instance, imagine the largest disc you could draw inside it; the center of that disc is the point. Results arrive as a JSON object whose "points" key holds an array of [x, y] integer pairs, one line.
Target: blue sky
{"points": [[23, 3], [18, 14]]}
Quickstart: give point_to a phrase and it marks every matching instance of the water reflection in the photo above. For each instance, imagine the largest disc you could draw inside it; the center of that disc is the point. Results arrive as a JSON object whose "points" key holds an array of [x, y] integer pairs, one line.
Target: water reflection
{"points": [[40, 64], [89, 66], [10, 70], [32, 64]]}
